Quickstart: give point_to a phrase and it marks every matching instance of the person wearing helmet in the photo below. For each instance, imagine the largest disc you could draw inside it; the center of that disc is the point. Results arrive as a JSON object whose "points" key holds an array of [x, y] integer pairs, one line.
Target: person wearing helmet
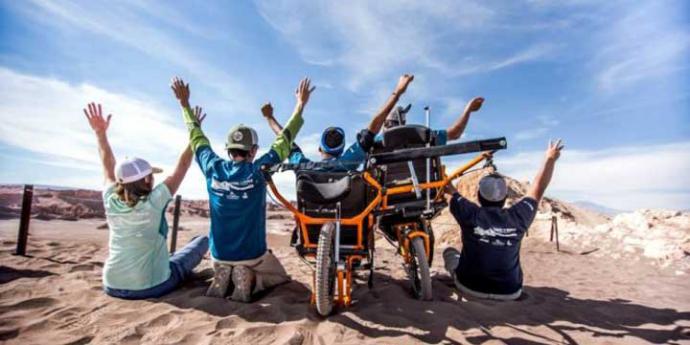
{"points": [[332, 143], [489, 264], [237, 200], [398, 117], [138, 264]]}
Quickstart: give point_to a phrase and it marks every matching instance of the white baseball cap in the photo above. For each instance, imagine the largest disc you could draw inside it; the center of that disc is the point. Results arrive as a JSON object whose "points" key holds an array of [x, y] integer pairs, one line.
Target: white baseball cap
{"points": [[134, 169]]}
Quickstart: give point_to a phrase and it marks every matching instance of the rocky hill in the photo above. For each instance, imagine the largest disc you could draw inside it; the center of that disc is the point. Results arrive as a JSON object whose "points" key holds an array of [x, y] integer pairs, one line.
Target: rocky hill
{"points": [[73, 204], [661, 236]]}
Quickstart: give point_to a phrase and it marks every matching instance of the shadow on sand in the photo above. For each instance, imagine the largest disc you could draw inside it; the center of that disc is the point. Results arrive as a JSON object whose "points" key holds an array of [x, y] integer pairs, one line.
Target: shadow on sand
{"points": [[8, 274], [287, 302], [539, 306], [375, 314]]}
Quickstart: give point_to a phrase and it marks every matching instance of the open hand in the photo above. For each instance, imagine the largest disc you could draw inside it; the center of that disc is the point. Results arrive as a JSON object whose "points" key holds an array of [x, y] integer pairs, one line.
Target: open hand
{"points": [[267, 110], [181, 91], [403, 82], [475, 104], [197, 114], [554, 150], [304, 91], [95, 117]]}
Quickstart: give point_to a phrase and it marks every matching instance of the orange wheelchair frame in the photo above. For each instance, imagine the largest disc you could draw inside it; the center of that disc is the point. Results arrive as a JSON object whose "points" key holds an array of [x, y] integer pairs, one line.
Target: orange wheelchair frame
{"points": [[406, 232], [344, 278], [343, 275]]}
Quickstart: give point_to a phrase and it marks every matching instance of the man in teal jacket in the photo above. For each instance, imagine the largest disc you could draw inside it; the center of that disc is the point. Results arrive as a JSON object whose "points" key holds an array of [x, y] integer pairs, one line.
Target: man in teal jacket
{"points": [[237, 200]]}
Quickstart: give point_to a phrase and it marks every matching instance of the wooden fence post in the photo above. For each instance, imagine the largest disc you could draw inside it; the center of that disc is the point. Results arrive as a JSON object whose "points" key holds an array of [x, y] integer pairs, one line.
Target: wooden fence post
{"points": [[554, 230], [176, 223], [24, 220], [555, 224]]}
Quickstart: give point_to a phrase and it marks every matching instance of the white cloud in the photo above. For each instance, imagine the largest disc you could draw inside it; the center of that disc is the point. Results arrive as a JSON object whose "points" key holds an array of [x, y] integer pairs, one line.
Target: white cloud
{"points": [[371, 39], [129, 24], [531, 133], [653, 176], [539, 129], [649, 41], [45, 116]]}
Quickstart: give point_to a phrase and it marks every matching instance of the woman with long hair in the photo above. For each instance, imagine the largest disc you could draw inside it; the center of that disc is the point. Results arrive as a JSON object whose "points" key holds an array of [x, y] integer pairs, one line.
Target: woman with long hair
{"points": [[139, 265]]}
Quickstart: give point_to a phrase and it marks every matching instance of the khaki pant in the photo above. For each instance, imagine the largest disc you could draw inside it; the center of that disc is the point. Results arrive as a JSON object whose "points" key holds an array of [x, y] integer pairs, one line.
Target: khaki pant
{"points": [[268, 271]]}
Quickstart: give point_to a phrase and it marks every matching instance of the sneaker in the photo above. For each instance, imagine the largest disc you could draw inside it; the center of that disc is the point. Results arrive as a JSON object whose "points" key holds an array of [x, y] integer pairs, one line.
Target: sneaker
{"points": [[451, 260], [243, 280], [221, 281]]}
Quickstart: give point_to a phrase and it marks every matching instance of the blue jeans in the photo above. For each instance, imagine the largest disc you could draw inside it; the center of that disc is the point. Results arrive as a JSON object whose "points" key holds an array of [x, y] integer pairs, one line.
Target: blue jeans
{"points": [[182, 264]]}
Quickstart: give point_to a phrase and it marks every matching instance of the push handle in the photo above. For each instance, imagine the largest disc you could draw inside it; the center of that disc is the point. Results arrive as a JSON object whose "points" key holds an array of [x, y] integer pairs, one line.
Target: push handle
{"points": [[437, 151]]}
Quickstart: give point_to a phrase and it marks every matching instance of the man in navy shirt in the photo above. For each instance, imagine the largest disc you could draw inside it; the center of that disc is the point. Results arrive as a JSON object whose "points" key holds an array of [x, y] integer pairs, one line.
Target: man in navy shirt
{"points": [[489, 264]]}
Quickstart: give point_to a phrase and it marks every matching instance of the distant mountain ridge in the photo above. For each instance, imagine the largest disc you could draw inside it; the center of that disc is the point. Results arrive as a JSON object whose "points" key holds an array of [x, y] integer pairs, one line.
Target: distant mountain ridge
{"points": [[592, 206]]}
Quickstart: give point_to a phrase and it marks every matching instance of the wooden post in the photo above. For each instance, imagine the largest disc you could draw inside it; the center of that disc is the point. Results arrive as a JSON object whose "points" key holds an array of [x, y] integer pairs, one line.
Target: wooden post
{"points": [[554, 231], [176, 223], [24, 220], [555, 226]]}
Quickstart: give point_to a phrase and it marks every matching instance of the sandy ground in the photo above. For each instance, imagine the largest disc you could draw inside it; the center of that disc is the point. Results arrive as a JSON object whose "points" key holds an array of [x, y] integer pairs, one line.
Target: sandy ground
{"points": [[54, 296]]}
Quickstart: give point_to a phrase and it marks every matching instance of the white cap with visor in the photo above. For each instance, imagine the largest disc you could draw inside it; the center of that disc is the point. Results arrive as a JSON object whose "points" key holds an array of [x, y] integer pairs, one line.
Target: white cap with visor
{"points": [[134, 169]]}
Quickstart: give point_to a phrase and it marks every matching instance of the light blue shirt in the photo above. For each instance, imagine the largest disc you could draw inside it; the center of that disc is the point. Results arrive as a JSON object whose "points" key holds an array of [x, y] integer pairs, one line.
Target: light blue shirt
{"points": [[138, 256]]}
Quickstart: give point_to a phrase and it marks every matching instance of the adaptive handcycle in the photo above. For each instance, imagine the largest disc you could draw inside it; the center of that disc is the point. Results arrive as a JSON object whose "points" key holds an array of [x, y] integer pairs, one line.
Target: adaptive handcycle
{"points": [[336, 214]]}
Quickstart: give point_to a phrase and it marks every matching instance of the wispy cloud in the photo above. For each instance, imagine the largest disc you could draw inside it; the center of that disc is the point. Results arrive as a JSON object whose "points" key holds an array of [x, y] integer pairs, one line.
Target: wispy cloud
{"points": [[44, 116], [129, 24], [626, 178], [371, 39], [540, 126], [649, 41]]}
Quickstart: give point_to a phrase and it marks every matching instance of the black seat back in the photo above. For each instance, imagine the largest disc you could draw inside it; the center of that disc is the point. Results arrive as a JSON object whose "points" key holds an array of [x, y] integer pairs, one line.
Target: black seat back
{"points": [[334, 190], [354, 199], [408, 136], [404, 137]]}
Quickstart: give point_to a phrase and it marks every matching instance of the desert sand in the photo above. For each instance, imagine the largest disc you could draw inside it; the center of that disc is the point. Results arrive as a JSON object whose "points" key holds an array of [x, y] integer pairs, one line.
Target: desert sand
{"points": [[607, 284]]}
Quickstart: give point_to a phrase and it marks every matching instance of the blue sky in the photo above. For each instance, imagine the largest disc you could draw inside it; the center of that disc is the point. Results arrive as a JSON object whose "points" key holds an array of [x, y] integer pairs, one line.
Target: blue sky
{"points": [[611, 79]]}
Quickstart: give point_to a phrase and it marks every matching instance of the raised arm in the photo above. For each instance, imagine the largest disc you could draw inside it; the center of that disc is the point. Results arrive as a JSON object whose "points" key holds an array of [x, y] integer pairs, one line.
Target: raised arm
{"points": [[543, 178], [267, 112], [197, 138], [456, 130], [94, 115], [174, 181], [377, 122], [283, 142]]}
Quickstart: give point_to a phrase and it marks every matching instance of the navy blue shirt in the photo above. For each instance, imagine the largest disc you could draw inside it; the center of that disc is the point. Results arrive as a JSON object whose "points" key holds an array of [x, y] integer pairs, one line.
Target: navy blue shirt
{"points": [[491, 236]]}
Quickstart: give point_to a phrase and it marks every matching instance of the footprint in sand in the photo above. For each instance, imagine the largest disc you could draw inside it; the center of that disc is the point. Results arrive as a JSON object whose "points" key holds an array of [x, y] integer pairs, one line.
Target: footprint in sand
{"points": [[31, 303], [163, 320], [9, 334], [81, 341], [82, 268]]}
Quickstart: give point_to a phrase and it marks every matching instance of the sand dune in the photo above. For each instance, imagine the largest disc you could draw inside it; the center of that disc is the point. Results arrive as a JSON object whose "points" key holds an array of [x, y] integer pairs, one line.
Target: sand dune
{"points": [[54, 296], [615, 280]]}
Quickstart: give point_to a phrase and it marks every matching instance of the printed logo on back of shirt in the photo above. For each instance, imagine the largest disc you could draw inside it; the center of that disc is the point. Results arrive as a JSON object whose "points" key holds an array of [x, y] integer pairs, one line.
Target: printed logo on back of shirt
{"points": [[493, 236], [495, 232], [227, 186]]}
